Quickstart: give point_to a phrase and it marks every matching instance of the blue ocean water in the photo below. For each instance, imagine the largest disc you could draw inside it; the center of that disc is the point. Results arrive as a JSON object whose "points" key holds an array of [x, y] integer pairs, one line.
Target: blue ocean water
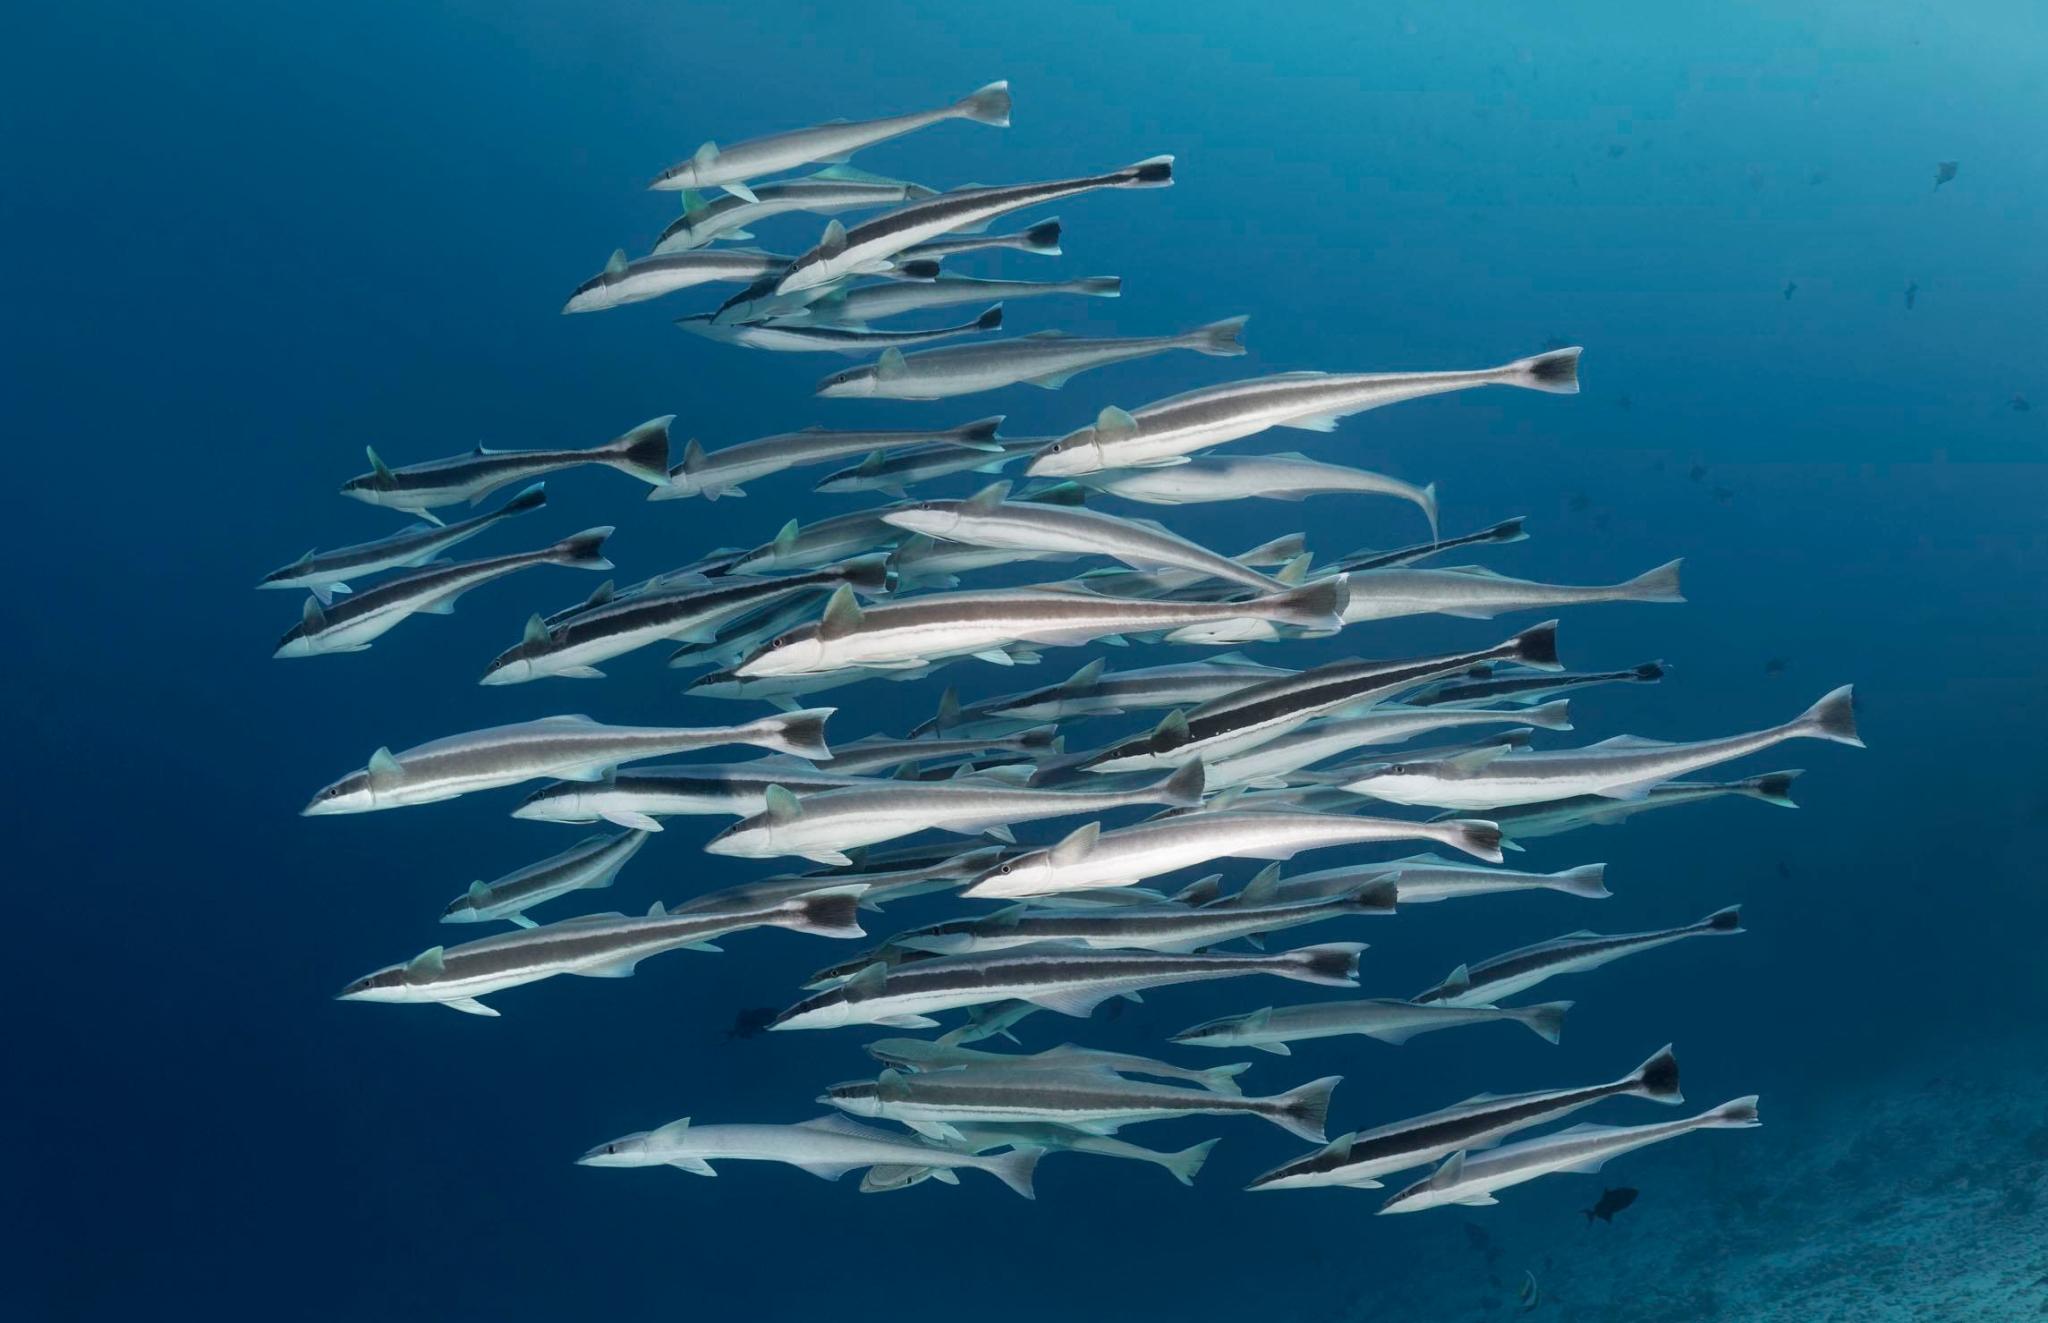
{"points": [[249, 240]]}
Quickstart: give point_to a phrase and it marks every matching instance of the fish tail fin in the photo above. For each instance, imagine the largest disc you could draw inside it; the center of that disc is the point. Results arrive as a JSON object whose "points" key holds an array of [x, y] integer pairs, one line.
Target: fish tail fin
{"points": [[1554, 715], [1185, 1164], [991, 319], [1183, 789], [1152, 172], [833, 913], [1305, 1110], [1042, 238], [1735, 1114], [1100, 287], [1771, 787], [1723, 921], [1536, 647], [1588, 881], [1223, 1079], [1224, 339], [1545, 1019], [1474, 836], [1509, 530], [583, 551], [1318, 605], [1015, 1169], [1556, 371], [1650, 672], [1832, 718], [867, 574], [981, 429], [530, 498], [1332, 964], [987, 105], [643, 452], [1658, 585], [1657, 1078], [1425, 497], [801, 732]]}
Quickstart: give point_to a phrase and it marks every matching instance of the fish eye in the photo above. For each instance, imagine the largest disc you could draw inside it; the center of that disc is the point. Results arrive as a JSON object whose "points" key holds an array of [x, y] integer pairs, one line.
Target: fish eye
{"points": [[1056, 447], [611, 1148]]}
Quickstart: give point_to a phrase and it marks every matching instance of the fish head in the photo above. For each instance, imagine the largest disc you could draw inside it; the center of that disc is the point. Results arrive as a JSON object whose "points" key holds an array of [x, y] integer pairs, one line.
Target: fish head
{"points": [[798, 652], [1075, 453], [855, 1097], [1423, 1194], [593, 295], [514, 665], [851, 384], [939, 520], [626, 1151], [911, 1053], [370, 488], [387, 984], [1209, 1032], [825, 1010], [752, 838], [1414, 783], [351, 794], [677, 177], [461, 910], [295, 643], [1027, 874], [561, 802], [807, 272]]}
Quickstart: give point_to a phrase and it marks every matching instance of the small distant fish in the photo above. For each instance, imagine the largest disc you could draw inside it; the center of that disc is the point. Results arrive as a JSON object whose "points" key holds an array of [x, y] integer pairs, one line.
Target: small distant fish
{"points": [[1784, 869], [1943, 172], [1723, 496], [1791, 288], [418, 488], [1529, 1294], [1616, 150], [1775, 666], [1046, 359], [751, 1022], [1610, 1203], [1912, 293], [1697, 472], [1624, 403], [2019, 404], [1816, 176]]}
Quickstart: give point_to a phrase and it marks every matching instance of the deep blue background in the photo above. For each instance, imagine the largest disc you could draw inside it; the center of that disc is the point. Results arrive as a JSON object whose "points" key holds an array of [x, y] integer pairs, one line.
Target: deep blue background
{"points": [[245, 240]]}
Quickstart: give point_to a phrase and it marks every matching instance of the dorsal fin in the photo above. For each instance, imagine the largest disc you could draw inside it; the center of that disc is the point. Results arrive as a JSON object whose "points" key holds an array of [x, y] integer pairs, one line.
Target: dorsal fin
{"points": [[785, 537], [988, 498], [313, 618], [842, 614], [890, 364], [615, 264], [1171, 732], [1075, 845], [1265, 884], [377, 465], [1086, 678], [705, 154], [1114, 422], [536, 630], [428, 961], [834, 241], [601, 594], [867, 983], [383, 767], [781, 805]]}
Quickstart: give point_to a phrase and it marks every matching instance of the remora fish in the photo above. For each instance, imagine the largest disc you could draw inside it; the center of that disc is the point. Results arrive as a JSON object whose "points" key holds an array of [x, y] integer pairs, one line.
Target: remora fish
{"points": [[1358, 1160], [1182, 1166], [1090, 857], [352, 624], [871, 244], [873, 303], [1472, 1178], [1140, 927], [1070, 982], [590, 863], [1255, 715], [639, 799], [418, 488], [983, 623], [835, 188], [879, 752], [1522, 688], [636, 280], [801, 338], [723, 472], [1474, 593], [1528, 821], [1290, 476], [1622, 768], [1266, 765], [829, 1147], [1272, 1028], [731, 168], [573, 748], [687, 614], [593, 946], [922, 1054], [1490, 981], [1506, 531], [1164, 432], [800, 546], [1046, 359], [987, 519], [322, 573], [1421, 879], [1095, 1102], [824, 826], [1094, 691], [784, 691], [897, 473], [1041, 240]]}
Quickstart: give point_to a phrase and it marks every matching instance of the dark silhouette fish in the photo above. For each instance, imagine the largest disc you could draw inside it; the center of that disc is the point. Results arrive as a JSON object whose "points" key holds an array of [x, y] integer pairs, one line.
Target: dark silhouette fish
{"points": [[752, 1022], [2019, 404], [1790, 289], [1943, 172], [1912, 293], [1775, 666], [1610, 1203]]}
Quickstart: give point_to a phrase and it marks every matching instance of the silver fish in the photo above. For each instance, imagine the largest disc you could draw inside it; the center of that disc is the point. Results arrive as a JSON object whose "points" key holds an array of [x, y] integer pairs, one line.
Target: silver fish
{"points": [[1182, 1166], [1164, 432], [1095, 691], [353, 623], [641, 453], [896, 473], [641, 798], [323, 573], [724, 472], [1290, 476], [731, 168], [791, 337], [1272, 1028], [921, 1054], [591, 863], [1475, 593], [1140, 927], [833, 189], [1421, 879], [1268, 764], [638, 279], [1528, 821], [569, 747], [1046, 359], [1491, 981], [864, 304]]}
